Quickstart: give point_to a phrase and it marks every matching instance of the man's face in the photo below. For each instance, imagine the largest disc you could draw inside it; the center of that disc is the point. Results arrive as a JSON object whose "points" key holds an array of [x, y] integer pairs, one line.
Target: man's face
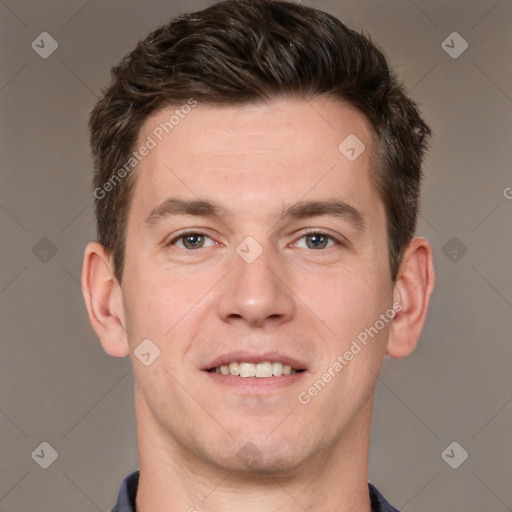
{"points": [[252, 286]]}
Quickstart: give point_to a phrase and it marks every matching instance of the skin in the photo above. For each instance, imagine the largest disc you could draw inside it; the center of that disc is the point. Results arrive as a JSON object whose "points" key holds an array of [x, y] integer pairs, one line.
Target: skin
{"points": [[304, 301]]}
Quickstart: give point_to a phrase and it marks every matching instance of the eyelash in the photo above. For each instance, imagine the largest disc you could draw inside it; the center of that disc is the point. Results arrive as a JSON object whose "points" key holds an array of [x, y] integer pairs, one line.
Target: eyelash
{"points": [[313, 232]]}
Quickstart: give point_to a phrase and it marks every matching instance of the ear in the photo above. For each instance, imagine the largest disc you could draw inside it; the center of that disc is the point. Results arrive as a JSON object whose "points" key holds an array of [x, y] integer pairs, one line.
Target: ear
{"points": [[413, 288], [104, 300]]}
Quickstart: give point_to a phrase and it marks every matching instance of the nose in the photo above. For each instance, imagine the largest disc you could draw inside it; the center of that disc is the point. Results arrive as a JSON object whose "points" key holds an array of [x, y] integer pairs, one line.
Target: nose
{"points": [[256, 293]]}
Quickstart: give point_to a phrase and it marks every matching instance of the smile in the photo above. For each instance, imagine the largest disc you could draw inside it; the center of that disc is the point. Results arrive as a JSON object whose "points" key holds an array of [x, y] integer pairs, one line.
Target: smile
{"points": [[259, 370]]}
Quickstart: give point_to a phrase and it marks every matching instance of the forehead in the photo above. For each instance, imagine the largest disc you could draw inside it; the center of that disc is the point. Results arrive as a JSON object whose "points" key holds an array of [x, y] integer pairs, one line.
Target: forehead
{"points": [[256, 157]]}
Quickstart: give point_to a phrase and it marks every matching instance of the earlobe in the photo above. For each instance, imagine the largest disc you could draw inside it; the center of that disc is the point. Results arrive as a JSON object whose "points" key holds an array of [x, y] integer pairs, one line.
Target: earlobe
{"points": [[103, 299], [413, 289]]}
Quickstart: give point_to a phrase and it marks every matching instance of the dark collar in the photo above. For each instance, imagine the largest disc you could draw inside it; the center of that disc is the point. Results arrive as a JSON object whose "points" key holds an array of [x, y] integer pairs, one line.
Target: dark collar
{"points": [[128, 491]]}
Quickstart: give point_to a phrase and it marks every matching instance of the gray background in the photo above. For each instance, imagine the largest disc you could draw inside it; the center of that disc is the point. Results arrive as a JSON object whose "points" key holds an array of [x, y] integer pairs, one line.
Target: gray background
{"points": [[58, 386]]}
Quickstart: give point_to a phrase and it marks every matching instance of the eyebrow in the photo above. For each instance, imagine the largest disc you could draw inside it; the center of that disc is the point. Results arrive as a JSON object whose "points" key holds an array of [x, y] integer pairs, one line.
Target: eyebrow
{"points": [[300, 210]]}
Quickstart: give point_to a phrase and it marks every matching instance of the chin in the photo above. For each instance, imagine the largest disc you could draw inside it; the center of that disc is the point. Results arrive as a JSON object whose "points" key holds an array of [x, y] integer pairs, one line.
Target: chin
{"points": [[261, 455]]}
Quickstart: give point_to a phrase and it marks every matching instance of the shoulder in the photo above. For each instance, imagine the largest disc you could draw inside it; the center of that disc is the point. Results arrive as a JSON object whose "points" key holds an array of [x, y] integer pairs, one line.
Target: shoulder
{"points": [[127, 492], [379, 503]]}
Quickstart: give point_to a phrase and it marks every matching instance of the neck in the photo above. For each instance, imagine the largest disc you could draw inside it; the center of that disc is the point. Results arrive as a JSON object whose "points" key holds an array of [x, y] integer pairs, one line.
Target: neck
{"points": [[173, 478]]}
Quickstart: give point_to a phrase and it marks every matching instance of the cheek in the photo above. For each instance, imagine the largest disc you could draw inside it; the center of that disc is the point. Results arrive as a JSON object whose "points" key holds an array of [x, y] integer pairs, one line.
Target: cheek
{"points": [[161, 304], [151, 303], [347, 306], [345, 298]]}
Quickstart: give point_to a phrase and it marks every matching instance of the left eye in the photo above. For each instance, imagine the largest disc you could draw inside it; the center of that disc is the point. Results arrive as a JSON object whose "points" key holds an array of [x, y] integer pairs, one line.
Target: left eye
{"points": [[317, 240]]}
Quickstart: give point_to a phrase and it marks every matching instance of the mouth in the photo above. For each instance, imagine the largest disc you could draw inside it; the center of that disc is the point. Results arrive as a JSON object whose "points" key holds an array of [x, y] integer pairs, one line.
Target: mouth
{"points": [[255, 373], [261, 370]]}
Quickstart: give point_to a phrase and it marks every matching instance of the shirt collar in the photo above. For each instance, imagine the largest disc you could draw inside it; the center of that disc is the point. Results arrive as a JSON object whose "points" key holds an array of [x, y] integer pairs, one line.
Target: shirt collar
{"points": [[128, 491]]}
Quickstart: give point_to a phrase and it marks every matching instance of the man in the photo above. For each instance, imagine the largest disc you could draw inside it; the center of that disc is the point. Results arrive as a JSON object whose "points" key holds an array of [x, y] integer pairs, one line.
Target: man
{"points": [[257, 173]]}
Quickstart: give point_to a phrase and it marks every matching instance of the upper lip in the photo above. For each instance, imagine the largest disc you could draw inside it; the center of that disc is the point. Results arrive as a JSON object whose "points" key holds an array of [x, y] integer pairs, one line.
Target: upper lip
{"points": [[241, 356]]}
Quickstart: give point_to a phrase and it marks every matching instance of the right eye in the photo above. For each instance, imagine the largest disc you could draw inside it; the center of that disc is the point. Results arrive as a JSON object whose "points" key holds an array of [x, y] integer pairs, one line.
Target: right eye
{"points": [[191, 240]]}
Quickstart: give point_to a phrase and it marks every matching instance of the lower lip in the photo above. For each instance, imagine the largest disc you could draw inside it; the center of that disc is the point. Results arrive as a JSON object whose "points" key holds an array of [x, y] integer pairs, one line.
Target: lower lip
{"points": [[256, 384]]}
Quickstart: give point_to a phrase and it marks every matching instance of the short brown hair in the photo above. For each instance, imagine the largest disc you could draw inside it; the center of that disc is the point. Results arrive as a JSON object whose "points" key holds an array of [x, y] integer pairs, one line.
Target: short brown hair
{"points": [[238, 52]]}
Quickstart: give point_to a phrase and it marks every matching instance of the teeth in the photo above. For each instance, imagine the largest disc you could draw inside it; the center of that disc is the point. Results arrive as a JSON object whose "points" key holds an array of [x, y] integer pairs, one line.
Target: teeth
{"points": [[247, 370], [234, 368], [277, 369], [264, 370], [261, 370]]}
